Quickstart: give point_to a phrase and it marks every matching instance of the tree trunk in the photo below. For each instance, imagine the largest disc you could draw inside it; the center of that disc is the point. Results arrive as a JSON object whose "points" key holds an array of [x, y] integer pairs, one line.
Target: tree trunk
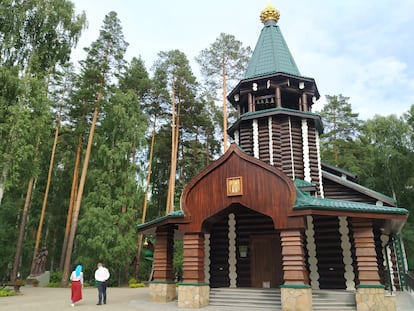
{"points": [[174, 161], [3, 178], [76, 208], [144, 209], [22, 230], [173, 125], [49, 178], [72, 199], [224, 76]]}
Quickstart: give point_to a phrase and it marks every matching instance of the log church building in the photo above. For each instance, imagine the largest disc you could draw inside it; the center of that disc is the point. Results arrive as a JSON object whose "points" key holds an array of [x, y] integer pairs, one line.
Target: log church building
{"points": [[269, 220]]}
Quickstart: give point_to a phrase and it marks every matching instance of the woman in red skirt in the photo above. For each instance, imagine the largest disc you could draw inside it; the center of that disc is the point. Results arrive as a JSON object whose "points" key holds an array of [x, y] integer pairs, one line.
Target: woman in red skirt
{"points": [[77, 283]]}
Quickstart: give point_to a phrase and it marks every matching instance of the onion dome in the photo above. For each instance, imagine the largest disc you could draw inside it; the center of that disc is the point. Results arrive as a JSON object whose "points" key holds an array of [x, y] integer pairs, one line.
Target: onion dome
{"points": [[270, 13]]}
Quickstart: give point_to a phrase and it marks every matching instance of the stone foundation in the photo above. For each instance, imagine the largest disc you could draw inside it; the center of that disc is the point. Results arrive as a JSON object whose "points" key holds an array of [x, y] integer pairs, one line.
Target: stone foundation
{"points": [[43, 279], [162, 292], [296, 298], [374, 299], [193, 295]]}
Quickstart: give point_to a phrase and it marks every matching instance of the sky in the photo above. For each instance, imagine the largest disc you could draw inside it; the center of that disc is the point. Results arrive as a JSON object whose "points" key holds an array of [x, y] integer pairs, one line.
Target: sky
{"points": [[362, 49]]}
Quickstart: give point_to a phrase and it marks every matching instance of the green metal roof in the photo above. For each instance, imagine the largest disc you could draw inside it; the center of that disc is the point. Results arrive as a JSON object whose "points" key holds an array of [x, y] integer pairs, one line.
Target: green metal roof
{"points": [[271, 54], [306, 201], [175, 214]]}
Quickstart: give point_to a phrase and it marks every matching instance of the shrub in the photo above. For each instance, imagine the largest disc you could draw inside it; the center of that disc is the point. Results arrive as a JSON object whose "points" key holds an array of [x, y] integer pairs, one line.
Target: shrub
{"points": [[56, 277], [133, 283], [136, 285], [4, 292]]}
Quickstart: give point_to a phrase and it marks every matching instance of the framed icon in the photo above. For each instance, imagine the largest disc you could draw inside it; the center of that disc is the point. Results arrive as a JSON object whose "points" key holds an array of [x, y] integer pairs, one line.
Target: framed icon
{"points": [[234, 186]]}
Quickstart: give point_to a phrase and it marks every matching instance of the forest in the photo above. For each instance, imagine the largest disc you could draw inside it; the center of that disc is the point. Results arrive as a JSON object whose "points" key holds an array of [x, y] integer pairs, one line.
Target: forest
{"points": [[90, 150]]}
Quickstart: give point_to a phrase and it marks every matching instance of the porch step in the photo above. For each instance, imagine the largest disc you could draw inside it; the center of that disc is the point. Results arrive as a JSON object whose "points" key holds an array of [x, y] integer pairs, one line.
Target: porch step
{"points": [[269, 299], [337, 300], [260, 298]]}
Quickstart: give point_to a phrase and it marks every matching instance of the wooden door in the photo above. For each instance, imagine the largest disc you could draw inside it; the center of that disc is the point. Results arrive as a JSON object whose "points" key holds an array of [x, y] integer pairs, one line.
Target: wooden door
{"points": [[265, 261]]}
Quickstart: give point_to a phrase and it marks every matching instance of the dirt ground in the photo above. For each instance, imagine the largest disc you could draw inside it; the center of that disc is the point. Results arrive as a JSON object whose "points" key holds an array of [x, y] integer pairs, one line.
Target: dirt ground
{"points": [[119, 299]]}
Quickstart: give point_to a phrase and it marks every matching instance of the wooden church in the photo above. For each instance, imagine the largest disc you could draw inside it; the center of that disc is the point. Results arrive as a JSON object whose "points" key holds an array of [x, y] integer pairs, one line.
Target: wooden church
{"points": [[269, 215]]}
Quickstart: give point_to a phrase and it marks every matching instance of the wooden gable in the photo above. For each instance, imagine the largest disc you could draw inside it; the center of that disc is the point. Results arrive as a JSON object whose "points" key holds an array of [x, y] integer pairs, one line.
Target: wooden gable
{"points": [[237, 178]]}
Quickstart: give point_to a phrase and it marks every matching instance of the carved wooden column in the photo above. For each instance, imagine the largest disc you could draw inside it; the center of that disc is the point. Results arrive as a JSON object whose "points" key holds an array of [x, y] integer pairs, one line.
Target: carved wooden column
{"points": [[250, 102], [296, 292], [370, 295], [163, 254], [163, 287], [278, 97], [193, 292], [293, 257], [305, 102], [365, 252], [193, 265]]}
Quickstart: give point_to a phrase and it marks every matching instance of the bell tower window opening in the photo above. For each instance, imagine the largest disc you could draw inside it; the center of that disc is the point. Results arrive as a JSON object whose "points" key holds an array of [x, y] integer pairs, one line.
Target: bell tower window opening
{"points": [[264, 102], [290, 100]]}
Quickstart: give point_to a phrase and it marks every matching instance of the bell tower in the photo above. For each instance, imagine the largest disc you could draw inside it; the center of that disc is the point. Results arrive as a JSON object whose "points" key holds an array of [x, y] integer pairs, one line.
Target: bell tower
{"points": [[274, 103]]}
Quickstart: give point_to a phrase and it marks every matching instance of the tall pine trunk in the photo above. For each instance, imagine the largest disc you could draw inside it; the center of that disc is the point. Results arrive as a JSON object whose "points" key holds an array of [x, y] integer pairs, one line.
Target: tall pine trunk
{"points": [[73, 192], [144, 209], [170, 199], [49, 179], [78, 199], [76, 208], [224, 76], [19, 247]]}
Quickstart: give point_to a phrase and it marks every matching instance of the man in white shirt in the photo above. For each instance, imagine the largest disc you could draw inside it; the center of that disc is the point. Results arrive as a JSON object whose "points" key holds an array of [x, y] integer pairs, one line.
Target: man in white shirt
{"points": [[101, 276]]}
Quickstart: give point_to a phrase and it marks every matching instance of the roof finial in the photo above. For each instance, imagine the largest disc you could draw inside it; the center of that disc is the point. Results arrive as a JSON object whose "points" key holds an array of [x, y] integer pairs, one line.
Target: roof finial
{"points": [[269, 13]]}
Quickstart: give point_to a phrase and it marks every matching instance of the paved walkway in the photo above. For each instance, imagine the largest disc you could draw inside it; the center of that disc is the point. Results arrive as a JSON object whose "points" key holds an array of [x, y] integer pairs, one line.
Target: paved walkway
{"points": [[119, 299]]}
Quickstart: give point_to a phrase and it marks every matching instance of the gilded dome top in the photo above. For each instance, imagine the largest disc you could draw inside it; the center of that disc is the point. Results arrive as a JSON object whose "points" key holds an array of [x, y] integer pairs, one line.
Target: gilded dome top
{"points": [[269, 13]]}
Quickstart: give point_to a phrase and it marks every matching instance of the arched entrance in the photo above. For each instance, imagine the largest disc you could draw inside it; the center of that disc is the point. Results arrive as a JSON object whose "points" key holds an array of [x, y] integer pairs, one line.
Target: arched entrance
{"points": [[244, 249]]}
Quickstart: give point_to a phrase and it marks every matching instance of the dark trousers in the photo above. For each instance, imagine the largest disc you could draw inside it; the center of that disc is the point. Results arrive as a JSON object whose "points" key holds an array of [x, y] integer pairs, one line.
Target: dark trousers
{"points": [[101, 292]]}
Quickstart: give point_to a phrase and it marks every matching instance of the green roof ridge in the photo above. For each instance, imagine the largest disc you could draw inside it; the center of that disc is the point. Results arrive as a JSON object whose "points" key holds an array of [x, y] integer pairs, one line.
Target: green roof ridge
{"points": [[300, 183], [271, 54]]}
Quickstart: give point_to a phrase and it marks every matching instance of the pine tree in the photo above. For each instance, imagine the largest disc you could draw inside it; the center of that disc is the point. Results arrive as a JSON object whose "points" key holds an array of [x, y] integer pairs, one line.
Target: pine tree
{"points": [[340, 125], [222, 65], [104, 63], [35, 36]]}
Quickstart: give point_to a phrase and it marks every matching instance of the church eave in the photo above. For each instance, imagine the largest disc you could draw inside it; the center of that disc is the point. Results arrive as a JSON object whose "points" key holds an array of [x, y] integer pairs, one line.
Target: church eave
{"points": [[277, 111], [277, 77], [305, 202], [176, 217]]}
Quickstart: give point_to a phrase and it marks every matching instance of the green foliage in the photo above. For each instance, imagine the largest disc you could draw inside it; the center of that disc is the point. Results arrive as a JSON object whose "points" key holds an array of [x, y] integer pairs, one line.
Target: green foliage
{"points": [[225, 56], [341, 126], [55, 277], [38, 34], [145, 267], [223, 65], [5, 292], [178, 259], [197, 144], [137, 285], [408, 238], [132, 283]]}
